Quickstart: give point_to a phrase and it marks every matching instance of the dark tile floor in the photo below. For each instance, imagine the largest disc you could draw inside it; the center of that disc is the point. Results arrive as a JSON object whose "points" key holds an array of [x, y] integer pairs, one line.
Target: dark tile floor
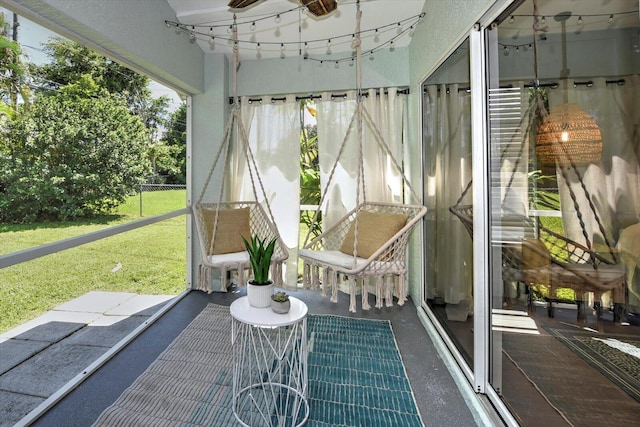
{"points": [[544, 383], [439, 399]]}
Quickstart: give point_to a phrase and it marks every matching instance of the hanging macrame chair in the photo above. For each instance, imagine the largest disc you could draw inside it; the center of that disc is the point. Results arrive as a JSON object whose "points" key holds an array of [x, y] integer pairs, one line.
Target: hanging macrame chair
{"points": [[371, 240], [222, 224], [544, 258]]}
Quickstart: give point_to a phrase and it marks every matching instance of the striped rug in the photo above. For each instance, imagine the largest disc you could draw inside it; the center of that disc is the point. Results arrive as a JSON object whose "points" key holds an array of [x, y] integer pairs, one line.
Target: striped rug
{"points": [[356, 377]]}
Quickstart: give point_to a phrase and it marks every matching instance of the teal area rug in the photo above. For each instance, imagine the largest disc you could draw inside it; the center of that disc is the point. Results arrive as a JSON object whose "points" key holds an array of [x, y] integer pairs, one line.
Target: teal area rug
{"points": [[356, 377], [617, 357]]}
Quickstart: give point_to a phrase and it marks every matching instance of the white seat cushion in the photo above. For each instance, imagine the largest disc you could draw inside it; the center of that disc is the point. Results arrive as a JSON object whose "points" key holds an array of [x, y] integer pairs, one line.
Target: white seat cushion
{"points": [[230, 260], [336, 258]]}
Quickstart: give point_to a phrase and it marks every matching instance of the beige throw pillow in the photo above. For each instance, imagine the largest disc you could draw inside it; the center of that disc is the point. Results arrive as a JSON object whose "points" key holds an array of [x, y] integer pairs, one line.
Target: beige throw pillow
{"points": [[232, 224], [374, 230]]}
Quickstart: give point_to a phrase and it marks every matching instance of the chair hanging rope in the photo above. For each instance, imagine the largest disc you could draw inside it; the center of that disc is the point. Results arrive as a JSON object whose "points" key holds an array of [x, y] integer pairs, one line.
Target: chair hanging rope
{"points": [[221, 224], [370, 242]]}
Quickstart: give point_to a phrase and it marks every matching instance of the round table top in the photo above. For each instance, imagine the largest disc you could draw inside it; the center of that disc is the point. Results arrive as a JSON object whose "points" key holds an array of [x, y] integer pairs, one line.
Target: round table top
{"points": [[242, 311]]}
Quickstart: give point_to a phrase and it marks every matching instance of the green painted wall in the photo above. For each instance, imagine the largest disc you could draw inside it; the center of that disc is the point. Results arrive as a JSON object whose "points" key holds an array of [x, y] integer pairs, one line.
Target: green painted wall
{"points": [[445, 25], [276, 76]]}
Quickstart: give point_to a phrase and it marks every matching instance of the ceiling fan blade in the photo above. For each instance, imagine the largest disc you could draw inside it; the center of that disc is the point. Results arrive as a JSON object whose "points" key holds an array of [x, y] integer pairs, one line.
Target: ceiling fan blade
{"points": [[320, 7], [241, 4]]}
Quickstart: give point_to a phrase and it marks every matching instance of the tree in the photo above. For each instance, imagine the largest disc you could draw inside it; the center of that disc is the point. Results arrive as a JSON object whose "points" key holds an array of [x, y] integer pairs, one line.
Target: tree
{"points": [[310, 193], [175, 139], [70, 61], [78, 152], [13, 76]]}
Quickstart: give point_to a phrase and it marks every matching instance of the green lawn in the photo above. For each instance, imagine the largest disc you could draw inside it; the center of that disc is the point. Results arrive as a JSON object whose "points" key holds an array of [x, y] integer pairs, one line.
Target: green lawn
{"points": [[152, 259]]}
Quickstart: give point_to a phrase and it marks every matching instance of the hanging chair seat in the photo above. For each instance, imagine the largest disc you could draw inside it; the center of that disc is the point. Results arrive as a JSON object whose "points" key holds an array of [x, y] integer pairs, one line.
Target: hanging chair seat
{"points": [[381, 232], [220, 227], [553, 261]]}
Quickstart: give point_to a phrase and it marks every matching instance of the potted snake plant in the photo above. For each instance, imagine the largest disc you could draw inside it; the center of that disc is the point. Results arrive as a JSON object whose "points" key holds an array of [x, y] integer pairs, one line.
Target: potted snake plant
{"points": [[260, 287]]}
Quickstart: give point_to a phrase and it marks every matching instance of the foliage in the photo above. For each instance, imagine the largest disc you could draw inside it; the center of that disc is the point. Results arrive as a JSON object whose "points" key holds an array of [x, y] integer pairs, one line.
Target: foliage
{"points": [[78, 152], [175, 141], [13, 78], [260, 258], [71, 61], [280, 297], [309, 170]]}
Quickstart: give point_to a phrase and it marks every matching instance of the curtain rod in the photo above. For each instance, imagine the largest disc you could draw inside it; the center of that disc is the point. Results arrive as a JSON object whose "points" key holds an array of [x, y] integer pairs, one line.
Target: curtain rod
{"points": [[333, 96], [552, 85]]}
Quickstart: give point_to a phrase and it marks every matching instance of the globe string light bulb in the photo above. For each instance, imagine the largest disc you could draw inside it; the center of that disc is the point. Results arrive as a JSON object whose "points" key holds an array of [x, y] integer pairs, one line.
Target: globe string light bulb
{"points": [[610, 19], [253, 26], [376, 38], [511, 19], [278, 19], [580, 22], [543, 20]]}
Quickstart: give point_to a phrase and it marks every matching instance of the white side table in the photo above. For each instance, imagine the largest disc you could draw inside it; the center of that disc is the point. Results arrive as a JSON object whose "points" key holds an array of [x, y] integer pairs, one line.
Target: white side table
{"points": [[270, 364]]}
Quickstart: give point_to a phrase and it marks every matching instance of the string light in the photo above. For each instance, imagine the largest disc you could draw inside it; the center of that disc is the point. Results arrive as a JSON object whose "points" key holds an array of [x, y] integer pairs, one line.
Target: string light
{"points": [[277, 19], [610, 19], [209, 34], [511, 19], [580, 22], [543, 20], [253, 26]]}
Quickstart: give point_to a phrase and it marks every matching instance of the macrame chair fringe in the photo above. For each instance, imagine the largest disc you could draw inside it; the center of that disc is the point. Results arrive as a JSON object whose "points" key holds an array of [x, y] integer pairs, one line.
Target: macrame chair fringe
{"points": [[387, 266], [233, 260], [388, 262]]}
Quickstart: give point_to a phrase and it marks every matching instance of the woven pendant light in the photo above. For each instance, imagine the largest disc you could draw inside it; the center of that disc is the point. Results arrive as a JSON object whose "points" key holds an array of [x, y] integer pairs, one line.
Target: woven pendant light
{"points": [[568, 135], [320, 7]]}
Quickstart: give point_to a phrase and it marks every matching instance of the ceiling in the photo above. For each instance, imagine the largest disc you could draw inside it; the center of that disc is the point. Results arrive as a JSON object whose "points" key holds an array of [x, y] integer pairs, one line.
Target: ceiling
{"points": [[285, 37]]}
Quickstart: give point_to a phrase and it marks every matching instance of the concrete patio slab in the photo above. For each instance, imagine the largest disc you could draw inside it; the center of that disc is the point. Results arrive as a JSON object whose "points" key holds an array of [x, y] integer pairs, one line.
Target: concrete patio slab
{"points": [[14, 407], [51, 326], [95, 302], [139, 305], [16, 351], [107, 331], [50, 369]]}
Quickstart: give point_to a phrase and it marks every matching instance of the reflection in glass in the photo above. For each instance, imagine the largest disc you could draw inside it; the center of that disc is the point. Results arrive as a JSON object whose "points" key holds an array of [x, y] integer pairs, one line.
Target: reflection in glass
{"points": [[447, 170], [565, 210]]}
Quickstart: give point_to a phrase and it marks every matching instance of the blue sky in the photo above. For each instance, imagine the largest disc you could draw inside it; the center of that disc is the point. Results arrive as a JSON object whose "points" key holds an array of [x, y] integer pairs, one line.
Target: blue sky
{"points": [[31, 36]]}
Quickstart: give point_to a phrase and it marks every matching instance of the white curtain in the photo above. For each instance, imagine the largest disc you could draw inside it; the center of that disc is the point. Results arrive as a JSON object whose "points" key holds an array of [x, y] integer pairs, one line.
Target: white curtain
{"points": [[383, 181], [273, 133], [447, 151], [613, 184]]}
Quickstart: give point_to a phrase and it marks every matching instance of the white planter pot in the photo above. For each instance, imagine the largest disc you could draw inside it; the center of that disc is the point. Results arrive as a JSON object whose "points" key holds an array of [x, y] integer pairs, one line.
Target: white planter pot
{"points": [[281, 307], [260, 296]]}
